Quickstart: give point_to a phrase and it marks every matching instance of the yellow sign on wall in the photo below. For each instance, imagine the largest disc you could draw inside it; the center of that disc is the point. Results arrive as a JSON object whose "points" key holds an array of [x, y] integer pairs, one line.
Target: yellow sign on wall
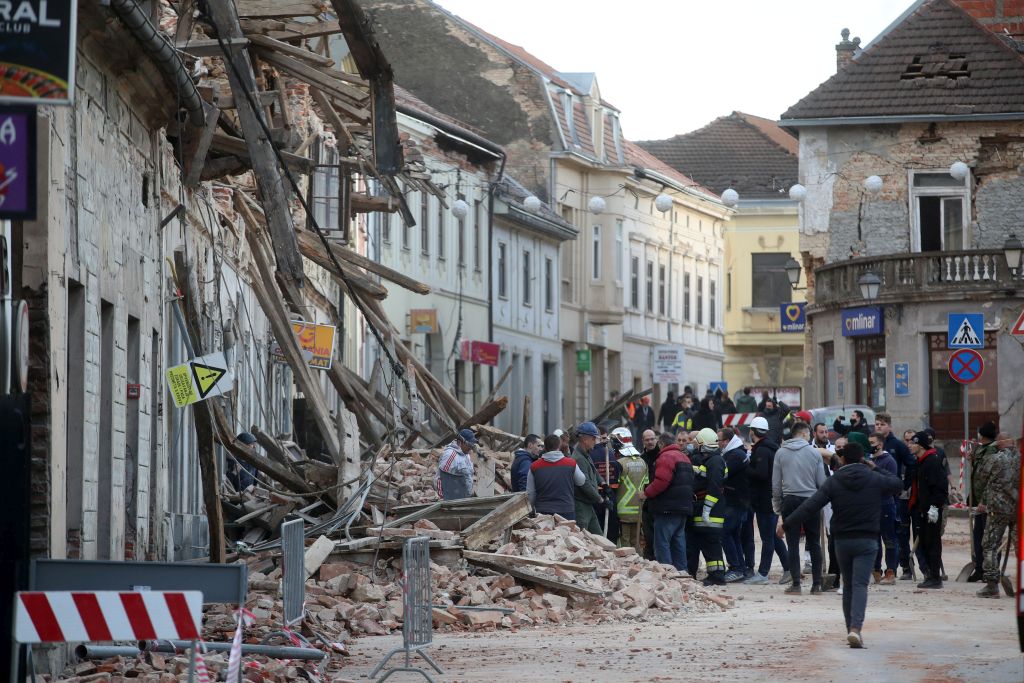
{"points": [[199, 379], [317, 342]]}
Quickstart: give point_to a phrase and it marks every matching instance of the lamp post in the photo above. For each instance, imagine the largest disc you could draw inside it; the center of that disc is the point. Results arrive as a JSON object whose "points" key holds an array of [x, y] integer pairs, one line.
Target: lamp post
{"points": [[793, 268]]}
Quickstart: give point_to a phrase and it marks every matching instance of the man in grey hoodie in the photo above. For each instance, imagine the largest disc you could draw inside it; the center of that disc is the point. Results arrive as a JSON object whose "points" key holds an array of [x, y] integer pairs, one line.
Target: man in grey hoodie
{"points": [[796, 476]]}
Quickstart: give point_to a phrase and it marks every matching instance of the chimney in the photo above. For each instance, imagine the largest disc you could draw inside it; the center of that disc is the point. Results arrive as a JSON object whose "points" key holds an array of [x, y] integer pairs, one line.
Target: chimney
{"points": [[846, 49]]}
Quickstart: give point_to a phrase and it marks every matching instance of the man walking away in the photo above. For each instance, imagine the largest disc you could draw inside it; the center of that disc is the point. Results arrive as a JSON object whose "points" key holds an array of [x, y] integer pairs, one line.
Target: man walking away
{"points": [[797, 475], [454, 479], [523, 458], [759, 472], [632, 478], [587, 495], [739, 549], [884, 462], [552, 479], [928, 496], [709, 511], [746, 403], [670, 498], [854, 493], [999, 500]]}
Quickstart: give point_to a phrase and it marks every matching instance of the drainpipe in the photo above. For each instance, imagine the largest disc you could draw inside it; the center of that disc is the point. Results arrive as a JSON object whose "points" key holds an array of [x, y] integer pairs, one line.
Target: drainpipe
{"points": [[165, 56], [490, 257]]}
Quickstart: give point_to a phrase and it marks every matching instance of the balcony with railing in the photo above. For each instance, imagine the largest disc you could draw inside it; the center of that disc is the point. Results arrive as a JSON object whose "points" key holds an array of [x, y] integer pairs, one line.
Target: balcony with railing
{"points": [[929, 276]]}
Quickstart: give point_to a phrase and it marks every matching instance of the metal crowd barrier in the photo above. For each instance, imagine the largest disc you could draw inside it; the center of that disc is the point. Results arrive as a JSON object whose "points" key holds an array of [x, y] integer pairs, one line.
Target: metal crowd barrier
{"points": [[417, 601]]}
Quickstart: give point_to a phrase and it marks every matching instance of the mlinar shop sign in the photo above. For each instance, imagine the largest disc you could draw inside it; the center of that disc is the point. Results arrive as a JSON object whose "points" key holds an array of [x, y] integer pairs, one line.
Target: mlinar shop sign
{"points": [[37, 51], [862, 322]]}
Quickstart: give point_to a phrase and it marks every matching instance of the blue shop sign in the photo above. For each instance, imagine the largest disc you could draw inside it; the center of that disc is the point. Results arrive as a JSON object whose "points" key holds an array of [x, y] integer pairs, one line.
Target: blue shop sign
{"points": [[862, 322], [792, 317]]}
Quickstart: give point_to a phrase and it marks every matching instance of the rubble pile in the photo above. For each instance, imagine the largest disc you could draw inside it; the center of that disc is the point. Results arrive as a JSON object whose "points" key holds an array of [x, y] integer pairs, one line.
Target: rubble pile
{"points": [[411, 475]]}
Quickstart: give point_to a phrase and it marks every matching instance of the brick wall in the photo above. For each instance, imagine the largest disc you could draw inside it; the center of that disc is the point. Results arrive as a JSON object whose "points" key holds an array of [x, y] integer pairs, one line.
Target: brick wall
{"points": [[997, 15]]}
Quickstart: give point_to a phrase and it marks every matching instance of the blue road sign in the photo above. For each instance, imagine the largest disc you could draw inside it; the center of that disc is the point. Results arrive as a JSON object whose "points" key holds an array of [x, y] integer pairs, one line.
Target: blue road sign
{"points": [[901, 372], [966, 331], [966, 366], [715, 386]]}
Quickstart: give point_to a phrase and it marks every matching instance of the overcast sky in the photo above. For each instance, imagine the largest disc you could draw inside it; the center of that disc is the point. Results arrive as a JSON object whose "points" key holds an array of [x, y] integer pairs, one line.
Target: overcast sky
{"points": [[672, 66]]}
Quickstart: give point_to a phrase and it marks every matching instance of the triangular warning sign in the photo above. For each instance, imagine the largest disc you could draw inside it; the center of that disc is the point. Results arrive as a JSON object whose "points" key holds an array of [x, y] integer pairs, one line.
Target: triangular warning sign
{"points": [[965, 336], [206, 377], [1018, 327]]}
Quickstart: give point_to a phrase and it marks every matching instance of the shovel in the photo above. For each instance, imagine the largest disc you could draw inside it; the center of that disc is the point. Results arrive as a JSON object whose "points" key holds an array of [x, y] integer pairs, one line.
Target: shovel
{"points": [[969, 567], [1004, 580]]}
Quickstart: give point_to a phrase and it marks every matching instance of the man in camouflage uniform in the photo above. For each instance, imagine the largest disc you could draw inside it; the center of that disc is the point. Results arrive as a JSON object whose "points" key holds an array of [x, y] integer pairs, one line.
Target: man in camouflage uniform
{"points": [[999, 479]]}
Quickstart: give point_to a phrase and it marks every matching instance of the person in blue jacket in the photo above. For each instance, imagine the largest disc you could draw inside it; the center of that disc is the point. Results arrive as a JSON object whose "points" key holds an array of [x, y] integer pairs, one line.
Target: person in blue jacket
{"points": [[523, 458]]}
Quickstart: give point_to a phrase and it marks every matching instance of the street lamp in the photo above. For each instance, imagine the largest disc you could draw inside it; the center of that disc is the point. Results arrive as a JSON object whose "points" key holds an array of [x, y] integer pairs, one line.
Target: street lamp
{"points": [[798, 193], [1012, 249], [460, 209], [869, 285], [596, 205], [730, 197], [532, 204], [792, 268], [663, 202]]}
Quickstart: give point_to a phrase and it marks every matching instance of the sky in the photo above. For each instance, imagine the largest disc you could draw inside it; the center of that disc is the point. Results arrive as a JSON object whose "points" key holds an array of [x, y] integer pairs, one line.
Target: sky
{"points": [[672, 66]]}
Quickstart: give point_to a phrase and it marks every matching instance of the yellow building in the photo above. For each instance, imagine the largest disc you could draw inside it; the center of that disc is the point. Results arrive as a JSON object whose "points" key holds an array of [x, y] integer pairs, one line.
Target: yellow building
{"points": [[757, 160]]}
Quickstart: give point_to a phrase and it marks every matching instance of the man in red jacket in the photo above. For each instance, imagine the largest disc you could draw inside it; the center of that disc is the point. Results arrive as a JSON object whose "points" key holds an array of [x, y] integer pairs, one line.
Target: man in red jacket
{"points": [[669, 500]]}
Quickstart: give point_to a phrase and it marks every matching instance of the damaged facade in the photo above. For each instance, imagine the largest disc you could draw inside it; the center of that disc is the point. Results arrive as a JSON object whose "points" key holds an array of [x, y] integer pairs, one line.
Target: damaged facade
{"points": [[933, 108]]}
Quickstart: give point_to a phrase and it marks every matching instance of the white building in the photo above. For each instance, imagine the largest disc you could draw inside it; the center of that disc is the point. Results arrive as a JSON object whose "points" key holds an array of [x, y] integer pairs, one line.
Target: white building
{"points": [[525, 306]]}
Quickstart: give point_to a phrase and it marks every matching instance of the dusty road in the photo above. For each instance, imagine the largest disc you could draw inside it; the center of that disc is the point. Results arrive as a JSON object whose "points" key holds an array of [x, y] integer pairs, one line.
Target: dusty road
{"points": [[911, 635]]}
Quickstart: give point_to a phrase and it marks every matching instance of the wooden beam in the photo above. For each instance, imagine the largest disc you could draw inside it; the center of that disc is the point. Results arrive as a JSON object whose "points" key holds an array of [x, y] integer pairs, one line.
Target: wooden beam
{"points": [[238, 147], [291, 50], [186, 20], [222, 166], [289, 30], [264, 97], [323, 79], [278, 8], [267, 294], [495, 523], [273, 192], [362, 203], [197, 146], [202, 419], [487, 413], [210, 48], [307, 242], [540, 580], [271, 446], [526, 415], [535, 561]]}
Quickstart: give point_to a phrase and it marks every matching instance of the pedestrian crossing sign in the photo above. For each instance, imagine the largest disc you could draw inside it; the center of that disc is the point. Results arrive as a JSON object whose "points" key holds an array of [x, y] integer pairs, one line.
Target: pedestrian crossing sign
{"points": [[199, 379], [966, 330]]}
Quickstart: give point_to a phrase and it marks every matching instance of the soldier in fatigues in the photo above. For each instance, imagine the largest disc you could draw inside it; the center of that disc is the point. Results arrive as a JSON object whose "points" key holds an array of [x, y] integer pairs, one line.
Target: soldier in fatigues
{"points": [[999, 489], [632, 479]]}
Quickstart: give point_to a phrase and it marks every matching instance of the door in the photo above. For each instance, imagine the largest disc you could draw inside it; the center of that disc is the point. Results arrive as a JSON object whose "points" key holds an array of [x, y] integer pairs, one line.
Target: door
{"points": [[871, 364]]}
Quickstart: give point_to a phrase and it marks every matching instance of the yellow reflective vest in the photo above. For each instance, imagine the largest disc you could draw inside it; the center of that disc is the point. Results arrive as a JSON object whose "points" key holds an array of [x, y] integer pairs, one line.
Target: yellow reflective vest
{"points": [[632, 480]]}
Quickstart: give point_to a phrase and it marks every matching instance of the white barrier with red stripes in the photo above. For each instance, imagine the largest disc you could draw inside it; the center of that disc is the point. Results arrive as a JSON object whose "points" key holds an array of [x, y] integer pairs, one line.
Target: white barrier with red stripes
{"points": [[100, 616], [737, 419]]}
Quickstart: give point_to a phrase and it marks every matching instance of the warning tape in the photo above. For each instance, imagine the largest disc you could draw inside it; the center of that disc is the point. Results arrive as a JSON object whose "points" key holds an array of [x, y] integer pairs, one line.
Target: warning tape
{"points": [[737, 419]]}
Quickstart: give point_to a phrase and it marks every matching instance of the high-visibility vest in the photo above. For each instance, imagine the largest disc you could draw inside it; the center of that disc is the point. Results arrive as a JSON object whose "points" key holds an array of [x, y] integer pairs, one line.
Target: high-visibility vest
{"points": [[682, 421], [631, 410], [632, 480]]}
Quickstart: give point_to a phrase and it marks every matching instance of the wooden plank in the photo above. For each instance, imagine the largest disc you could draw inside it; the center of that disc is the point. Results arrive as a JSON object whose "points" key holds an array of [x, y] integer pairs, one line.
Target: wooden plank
{"points": [[310, 244], [202, 419], [271, 446], [313, 249], [210, 47], [291, 50], [502, 518], [310, 74], [265, 289], [536, 561], [197, 146], [290, 30], [537, 579], [222, 142], [526, 415], [482, 416], [186, 20], [278, 8], [273, 192], [363, 203]]}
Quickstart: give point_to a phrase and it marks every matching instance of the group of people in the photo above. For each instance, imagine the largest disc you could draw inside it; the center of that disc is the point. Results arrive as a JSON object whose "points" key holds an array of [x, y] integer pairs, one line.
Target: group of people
{"points": [[690, 493]]}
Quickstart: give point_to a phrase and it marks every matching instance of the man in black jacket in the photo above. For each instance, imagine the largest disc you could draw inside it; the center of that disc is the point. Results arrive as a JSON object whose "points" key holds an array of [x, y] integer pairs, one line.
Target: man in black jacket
{"points": [[650, 456], [854, 492], [759, 474], [857, 424], [738, 532], [523, 458], [905, 471], [928, 496]]}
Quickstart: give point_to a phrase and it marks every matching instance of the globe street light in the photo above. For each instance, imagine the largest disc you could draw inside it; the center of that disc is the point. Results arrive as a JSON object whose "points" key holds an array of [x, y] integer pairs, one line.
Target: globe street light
{"points": [[869, 285], [1011, 250]]}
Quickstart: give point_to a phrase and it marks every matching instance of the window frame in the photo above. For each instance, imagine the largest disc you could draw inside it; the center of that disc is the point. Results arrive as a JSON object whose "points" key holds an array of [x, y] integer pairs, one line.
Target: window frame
{"points": [[700, 300], [962, 191], [477, 240], [649, 291], [634, 282], [661, 289], [424, 223], [595, 265], [619, 249], [502, 270], [712, 303], [527, 288], [759, 279], [441, 227], [687, 295], [549, 284]]}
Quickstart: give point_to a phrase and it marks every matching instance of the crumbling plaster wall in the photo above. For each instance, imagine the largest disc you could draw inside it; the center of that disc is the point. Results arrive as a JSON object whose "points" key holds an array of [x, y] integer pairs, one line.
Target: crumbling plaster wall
{"points": [[455, 71]]}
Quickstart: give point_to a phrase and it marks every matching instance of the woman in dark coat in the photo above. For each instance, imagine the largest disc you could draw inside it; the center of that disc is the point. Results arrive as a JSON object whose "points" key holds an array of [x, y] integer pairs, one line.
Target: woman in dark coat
{"points": [[706, 416]]}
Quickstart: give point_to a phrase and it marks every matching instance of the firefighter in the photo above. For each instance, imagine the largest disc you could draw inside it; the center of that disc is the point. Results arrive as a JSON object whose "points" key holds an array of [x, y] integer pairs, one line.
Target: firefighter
{"points": [[705, 527], [632, 478]]}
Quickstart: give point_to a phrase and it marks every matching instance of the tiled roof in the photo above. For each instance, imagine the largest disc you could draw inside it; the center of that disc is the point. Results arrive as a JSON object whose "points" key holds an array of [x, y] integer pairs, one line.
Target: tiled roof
{"points": [[750, 154], [939, 61], [404, 97], [638, 157]]}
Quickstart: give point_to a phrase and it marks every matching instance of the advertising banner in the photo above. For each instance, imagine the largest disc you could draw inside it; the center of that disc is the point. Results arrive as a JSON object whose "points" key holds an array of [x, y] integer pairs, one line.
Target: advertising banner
{"points": [[37, 51]]}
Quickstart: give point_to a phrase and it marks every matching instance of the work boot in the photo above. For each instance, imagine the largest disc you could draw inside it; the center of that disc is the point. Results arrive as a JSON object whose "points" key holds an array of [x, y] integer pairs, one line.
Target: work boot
{"points": [[816, 589], [877, 574], [786, 578], [976, 576], [793, 589], [715, 579], [889, 579], [991, 590], [930, 583]]}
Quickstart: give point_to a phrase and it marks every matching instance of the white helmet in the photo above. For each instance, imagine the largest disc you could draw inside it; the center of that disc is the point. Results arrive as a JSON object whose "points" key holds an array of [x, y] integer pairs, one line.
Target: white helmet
{"points": [[760, 423], [625, 439]]}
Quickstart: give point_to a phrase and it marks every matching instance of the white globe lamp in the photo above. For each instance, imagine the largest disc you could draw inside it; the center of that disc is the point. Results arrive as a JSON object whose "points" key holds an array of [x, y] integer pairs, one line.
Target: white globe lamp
{"points": [[798, 193], [873, 184], [730, 197], [663, 203], [532, 204], [460, 209], [596, 205], [959, 170]]}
